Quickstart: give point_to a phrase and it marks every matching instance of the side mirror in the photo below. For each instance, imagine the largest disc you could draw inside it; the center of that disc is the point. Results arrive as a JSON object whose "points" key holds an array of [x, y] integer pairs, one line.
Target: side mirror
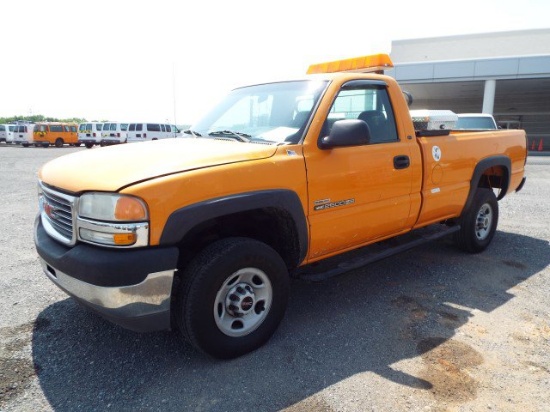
{"points": [[408, 97], [344, 133]]}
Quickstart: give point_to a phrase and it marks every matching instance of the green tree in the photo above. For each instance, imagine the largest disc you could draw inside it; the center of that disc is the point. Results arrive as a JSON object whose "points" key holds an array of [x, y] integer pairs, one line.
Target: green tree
{"points": [[40, 118]]}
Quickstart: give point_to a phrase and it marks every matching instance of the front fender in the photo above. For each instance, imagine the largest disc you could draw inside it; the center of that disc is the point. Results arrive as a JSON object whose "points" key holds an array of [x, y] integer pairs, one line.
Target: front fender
{"points": [[183, 220]]}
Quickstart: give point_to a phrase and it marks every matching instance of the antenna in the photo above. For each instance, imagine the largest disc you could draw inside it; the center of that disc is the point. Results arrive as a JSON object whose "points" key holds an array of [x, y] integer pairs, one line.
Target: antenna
{"points": [[174, 89]]}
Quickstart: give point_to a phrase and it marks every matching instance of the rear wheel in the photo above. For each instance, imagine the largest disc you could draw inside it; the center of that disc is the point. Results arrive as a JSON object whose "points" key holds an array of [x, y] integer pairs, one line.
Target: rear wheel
{"points": [[479, 223], [59, 142], [89, 145], [232, 297]]}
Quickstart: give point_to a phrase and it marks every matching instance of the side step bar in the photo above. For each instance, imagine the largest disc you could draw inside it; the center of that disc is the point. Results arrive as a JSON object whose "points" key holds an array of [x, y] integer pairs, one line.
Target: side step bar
{"points": [[340, 264]]}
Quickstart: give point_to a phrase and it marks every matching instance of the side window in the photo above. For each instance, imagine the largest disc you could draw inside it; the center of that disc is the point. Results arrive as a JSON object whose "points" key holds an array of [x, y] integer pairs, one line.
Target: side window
{"points": [[162, 128], [132, 127], [124, 127], [153, 127], [168, 128], [139, 127], [367, 102], [67, 128], [73, 129]]}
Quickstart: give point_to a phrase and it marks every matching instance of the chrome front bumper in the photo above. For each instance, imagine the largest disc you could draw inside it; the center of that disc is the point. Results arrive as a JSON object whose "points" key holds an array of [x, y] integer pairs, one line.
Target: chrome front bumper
{"points": [[142, 307]]}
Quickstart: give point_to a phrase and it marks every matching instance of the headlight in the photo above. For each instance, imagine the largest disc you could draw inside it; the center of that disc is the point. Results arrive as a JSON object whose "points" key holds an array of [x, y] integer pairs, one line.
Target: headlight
{"points": [[111, 207], [112, 219]]}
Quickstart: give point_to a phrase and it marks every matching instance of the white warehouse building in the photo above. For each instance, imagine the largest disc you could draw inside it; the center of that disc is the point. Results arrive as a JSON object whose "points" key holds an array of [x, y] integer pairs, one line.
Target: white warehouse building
{"points": [[506, 74]]}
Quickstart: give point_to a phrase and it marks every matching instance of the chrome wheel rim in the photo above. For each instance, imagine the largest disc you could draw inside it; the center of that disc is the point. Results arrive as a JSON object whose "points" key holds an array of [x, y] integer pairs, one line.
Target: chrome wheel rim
{"points": [[243, 302], [484, 222]]}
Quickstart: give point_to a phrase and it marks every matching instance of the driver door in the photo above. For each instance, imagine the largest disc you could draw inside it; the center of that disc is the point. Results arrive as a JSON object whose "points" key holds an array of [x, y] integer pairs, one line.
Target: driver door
{"points": [[362, 193]]}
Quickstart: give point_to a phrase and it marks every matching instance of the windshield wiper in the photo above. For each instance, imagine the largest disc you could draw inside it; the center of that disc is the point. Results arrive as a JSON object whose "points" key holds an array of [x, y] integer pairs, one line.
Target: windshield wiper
{"points": [[191, 132], [241, 137]]}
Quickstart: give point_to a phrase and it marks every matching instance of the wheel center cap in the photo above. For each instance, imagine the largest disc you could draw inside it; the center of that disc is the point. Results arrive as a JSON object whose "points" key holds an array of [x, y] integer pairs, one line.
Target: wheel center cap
{"points": [[247, 303], [240, 300]]}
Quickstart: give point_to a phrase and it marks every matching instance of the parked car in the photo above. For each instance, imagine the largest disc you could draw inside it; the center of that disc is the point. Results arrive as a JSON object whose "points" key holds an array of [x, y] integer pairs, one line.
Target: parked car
{"points": [[140, 132], [6, 132], [114, 133], [89, 134], [23, 134], [475, 121], [55, 133]]}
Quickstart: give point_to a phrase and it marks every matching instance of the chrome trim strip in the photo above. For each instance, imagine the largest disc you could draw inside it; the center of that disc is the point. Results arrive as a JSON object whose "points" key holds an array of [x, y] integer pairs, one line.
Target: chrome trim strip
{"points": [[139, 228]]}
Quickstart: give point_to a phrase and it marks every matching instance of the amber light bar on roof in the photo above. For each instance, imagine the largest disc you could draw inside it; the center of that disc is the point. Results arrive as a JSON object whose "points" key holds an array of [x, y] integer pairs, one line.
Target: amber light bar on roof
{"points": [[364, 64]]}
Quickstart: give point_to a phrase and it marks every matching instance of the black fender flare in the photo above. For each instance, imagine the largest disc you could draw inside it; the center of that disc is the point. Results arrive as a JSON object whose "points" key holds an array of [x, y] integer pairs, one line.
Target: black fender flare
{"points": [[480, 168], [183, 220]]}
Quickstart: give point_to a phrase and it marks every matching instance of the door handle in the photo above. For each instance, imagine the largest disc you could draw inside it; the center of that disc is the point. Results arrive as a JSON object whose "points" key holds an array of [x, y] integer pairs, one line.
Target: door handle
{"points": [[401, 162]]}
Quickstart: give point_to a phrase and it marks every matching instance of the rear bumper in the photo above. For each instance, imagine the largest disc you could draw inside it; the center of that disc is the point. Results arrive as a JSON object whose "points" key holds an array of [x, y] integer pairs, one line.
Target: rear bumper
{"points": [[90, 141], [131, 288], [111, 141]]}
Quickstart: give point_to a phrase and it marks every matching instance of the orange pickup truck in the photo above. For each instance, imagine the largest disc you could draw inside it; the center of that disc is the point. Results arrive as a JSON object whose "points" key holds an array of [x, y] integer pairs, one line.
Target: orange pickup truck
{"points": [[202, 234]]}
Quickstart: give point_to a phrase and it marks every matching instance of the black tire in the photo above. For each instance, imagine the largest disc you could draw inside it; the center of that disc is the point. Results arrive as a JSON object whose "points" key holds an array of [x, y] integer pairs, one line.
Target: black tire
{"points": [[46, 145], [89, 145], [59, 142], [239, 273], [479, 223], [76, 145]]}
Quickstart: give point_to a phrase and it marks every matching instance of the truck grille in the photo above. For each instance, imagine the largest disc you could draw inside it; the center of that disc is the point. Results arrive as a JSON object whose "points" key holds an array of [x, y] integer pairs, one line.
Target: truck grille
{"points": [[56, 210]]}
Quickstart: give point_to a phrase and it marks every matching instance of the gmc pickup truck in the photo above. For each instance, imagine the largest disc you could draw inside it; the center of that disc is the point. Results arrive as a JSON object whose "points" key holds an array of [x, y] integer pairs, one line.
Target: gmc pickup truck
{"points": [[294, 178]]}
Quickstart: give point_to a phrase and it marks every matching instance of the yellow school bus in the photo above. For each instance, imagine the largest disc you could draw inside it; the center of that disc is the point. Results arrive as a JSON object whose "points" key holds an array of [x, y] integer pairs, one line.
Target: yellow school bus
{"points": [[55, 133]]}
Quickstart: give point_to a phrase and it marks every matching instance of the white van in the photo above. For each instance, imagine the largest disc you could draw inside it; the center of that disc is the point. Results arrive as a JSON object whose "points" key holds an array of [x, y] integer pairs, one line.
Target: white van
{"points": [[114, 133], [89, 134], [23, 134], [6, 132], [475, 121], [141, 132]]}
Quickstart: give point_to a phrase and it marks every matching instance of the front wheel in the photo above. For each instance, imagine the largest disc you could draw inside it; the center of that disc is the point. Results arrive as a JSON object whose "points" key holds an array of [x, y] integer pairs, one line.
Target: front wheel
{"points": [[232, 297], [89, 145], [59, 142], [479, 222]]}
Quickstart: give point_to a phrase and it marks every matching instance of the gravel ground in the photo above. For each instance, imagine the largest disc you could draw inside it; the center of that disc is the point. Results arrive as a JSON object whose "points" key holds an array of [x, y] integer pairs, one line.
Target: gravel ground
{"points": [[432, 329]]}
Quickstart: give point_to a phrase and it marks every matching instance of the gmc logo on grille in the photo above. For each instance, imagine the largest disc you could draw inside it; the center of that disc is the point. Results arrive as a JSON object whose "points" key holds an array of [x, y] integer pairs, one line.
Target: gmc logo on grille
{"points": [[50, 211]]}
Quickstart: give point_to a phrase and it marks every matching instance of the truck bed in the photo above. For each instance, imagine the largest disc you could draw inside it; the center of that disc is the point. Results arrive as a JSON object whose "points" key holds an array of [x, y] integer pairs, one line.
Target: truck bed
{"points": [[449, 161]]}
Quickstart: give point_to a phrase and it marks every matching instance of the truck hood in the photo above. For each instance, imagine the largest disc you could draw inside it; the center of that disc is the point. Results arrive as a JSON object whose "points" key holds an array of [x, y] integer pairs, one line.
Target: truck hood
{"points": [[111, 168]]}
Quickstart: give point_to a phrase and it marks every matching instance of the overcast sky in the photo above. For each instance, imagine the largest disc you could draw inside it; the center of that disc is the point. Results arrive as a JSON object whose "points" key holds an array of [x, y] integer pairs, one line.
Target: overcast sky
{"points": [[159, 60]]}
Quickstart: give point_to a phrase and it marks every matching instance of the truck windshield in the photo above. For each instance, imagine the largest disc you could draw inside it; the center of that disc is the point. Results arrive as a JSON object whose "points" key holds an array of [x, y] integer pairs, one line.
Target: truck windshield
{"points": [[273, 112]]}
